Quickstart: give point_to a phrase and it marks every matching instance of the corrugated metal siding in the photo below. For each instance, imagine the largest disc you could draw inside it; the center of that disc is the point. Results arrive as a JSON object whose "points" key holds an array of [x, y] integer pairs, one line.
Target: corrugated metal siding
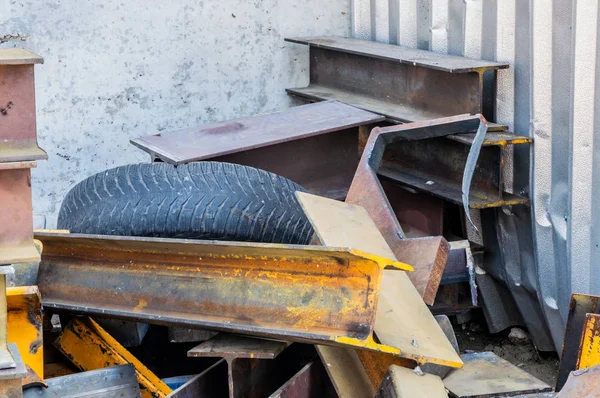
{"points": [[549, 93]]}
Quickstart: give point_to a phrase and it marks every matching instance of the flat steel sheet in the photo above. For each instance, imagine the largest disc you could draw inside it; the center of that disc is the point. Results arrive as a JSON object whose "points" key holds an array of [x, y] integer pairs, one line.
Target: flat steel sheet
{"points": [[485, 374], [224, 138]]}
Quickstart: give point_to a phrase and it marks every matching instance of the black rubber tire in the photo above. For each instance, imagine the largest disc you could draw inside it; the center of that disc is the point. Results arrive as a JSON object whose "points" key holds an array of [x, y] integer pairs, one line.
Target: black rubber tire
{"points": [[203, 200]]}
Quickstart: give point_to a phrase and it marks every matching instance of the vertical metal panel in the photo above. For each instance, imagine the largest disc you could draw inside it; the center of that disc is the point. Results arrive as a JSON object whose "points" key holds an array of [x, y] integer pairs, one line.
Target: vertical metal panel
{"points": [[549, 93]]}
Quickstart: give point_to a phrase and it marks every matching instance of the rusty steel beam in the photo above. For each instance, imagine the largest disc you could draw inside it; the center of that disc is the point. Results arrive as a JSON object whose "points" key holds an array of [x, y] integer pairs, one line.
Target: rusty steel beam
{"points": [[402, 320], [89, 347], [211, 383], [400, 83], [428, 255], [296, 293], [581, 305], [255, 367]]}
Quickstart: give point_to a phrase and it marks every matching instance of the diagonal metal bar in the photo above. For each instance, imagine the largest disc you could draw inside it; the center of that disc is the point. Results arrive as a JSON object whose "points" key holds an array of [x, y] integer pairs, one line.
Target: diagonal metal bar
{"points": [[295, 293]]}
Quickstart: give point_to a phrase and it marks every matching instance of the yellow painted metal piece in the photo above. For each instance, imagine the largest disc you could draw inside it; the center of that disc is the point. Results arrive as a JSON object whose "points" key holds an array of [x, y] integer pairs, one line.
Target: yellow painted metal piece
{"points": [[25, 320], [403, 323], [589, 350], [90, 347]]}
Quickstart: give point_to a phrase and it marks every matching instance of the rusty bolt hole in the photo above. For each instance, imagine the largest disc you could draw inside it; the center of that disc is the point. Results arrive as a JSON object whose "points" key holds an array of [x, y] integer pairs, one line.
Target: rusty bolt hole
{"points": [[4, 111]]}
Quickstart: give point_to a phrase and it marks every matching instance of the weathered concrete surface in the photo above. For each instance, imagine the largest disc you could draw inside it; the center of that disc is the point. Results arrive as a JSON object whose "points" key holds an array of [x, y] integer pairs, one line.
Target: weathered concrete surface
{"points": [[119, 69]]}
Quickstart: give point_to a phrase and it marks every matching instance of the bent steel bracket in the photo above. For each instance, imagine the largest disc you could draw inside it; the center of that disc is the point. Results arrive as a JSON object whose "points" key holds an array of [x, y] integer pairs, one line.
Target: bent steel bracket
{"points": [[380, 158], [290, 292]]}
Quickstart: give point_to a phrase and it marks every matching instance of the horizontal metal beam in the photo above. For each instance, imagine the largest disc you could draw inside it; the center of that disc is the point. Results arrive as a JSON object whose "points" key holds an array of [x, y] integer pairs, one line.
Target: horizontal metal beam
{"points": [[297, 293], [400, 83]]}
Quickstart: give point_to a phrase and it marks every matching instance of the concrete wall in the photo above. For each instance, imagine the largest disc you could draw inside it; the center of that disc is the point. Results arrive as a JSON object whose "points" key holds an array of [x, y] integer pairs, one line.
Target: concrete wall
{"points": [[115, 70]]}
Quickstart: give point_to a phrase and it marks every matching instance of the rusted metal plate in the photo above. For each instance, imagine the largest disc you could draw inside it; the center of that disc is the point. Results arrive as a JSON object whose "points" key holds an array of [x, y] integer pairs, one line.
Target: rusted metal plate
{"points": [[224, 138], [310, 382], [280, 291], [25, 325], [589, 349], [16, 218], [419, 337], [18, 140], [485, 374], [582, 383], [256, 367], [401, 382], [211, 383], [226, 345], [89, 347], [306, 134], [409, 85], [581, 305], [111, 382]]}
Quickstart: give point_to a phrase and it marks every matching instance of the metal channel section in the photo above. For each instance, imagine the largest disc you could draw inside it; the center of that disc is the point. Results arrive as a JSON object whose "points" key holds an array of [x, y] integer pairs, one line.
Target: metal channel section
{"points": [[282, 291], [310, 382], [307, 134], [410, 85], [116, 381], [255, 367], [367, 191]]}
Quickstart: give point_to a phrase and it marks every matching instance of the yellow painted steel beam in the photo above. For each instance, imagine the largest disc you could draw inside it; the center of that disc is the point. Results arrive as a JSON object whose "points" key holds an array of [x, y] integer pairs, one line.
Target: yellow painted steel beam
{"points": [[315, 294], [90, 347], [403, 322], [25, 318], [589, 349]]}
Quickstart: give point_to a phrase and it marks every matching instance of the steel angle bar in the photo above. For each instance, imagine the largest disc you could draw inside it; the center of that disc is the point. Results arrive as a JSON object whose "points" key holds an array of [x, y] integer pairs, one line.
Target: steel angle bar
{"points": [[255, 367], [112, 382], [18, 140], [581, 305], [296, 293], [89, 347], [402, 320]]}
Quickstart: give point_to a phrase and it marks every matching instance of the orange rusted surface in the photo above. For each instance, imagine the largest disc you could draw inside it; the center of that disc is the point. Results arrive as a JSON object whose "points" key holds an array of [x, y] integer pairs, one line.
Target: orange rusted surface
{"points": [[25, 325], [300, 293]]}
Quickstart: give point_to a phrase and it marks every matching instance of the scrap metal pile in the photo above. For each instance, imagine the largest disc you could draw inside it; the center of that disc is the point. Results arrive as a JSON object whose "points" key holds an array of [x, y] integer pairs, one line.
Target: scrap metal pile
{"points": [[313, 252]]}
